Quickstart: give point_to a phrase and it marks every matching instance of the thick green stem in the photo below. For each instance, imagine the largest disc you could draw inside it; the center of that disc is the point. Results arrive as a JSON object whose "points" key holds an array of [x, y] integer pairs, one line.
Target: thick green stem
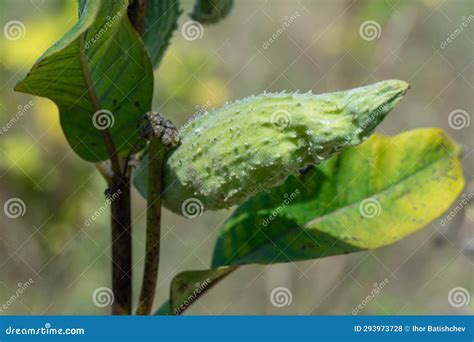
{"points": [[152, 256]]}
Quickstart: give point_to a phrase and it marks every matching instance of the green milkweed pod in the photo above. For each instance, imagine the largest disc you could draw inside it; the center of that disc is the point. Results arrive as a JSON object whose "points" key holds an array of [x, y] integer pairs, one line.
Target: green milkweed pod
{"points": [[250, 145]]}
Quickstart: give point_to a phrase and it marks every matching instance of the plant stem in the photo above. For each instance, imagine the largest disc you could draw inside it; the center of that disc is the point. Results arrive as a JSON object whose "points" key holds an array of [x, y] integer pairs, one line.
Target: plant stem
{"points": [[136, 13], [106, 171], [121, 217], [153, 217], [121, 207], [121, 247]]}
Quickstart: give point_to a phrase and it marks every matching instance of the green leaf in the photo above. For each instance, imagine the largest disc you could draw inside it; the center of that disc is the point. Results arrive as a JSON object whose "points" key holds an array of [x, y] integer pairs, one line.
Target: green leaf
{"points": [[366, 197], [99, 67], [160, 21], [211, 11], [164, 309], [187, 286]]}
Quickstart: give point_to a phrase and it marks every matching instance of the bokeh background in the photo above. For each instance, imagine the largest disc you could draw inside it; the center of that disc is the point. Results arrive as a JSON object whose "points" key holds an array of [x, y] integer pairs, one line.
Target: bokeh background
{"points": [[323, 47]]}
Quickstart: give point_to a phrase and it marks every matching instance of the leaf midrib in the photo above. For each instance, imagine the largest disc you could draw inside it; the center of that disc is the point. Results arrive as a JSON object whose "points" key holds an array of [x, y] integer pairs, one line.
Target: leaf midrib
{"points": [[95, 102]]}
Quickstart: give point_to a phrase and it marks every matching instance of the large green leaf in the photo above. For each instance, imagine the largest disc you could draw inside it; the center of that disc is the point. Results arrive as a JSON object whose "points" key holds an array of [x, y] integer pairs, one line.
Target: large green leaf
{"points": [[364, 198], [99, 66], [161, 20]]}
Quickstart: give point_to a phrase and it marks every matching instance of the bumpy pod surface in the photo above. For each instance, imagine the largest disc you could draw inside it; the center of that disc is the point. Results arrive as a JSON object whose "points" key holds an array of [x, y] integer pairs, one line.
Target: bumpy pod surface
{"points": [[251, 145]]}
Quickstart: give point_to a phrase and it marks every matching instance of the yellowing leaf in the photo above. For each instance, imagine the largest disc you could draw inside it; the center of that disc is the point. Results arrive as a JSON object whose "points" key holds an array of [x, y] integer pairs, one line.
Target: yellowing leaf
{"points": [[366, 197]]}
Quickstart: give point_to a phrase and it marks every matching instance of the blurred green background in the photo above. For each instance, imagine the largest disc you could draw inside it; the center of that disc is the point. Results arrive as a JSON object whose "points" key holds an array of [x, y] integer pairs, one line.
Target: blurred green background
{"points": [[322, 49]]}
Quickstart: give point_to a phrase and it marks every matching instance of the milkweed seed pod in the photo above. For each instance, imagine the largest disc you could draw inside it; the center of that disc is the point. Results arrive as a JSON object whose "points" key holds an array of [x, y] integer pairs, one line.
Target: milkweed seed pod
{"points": [[250, 145]]}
